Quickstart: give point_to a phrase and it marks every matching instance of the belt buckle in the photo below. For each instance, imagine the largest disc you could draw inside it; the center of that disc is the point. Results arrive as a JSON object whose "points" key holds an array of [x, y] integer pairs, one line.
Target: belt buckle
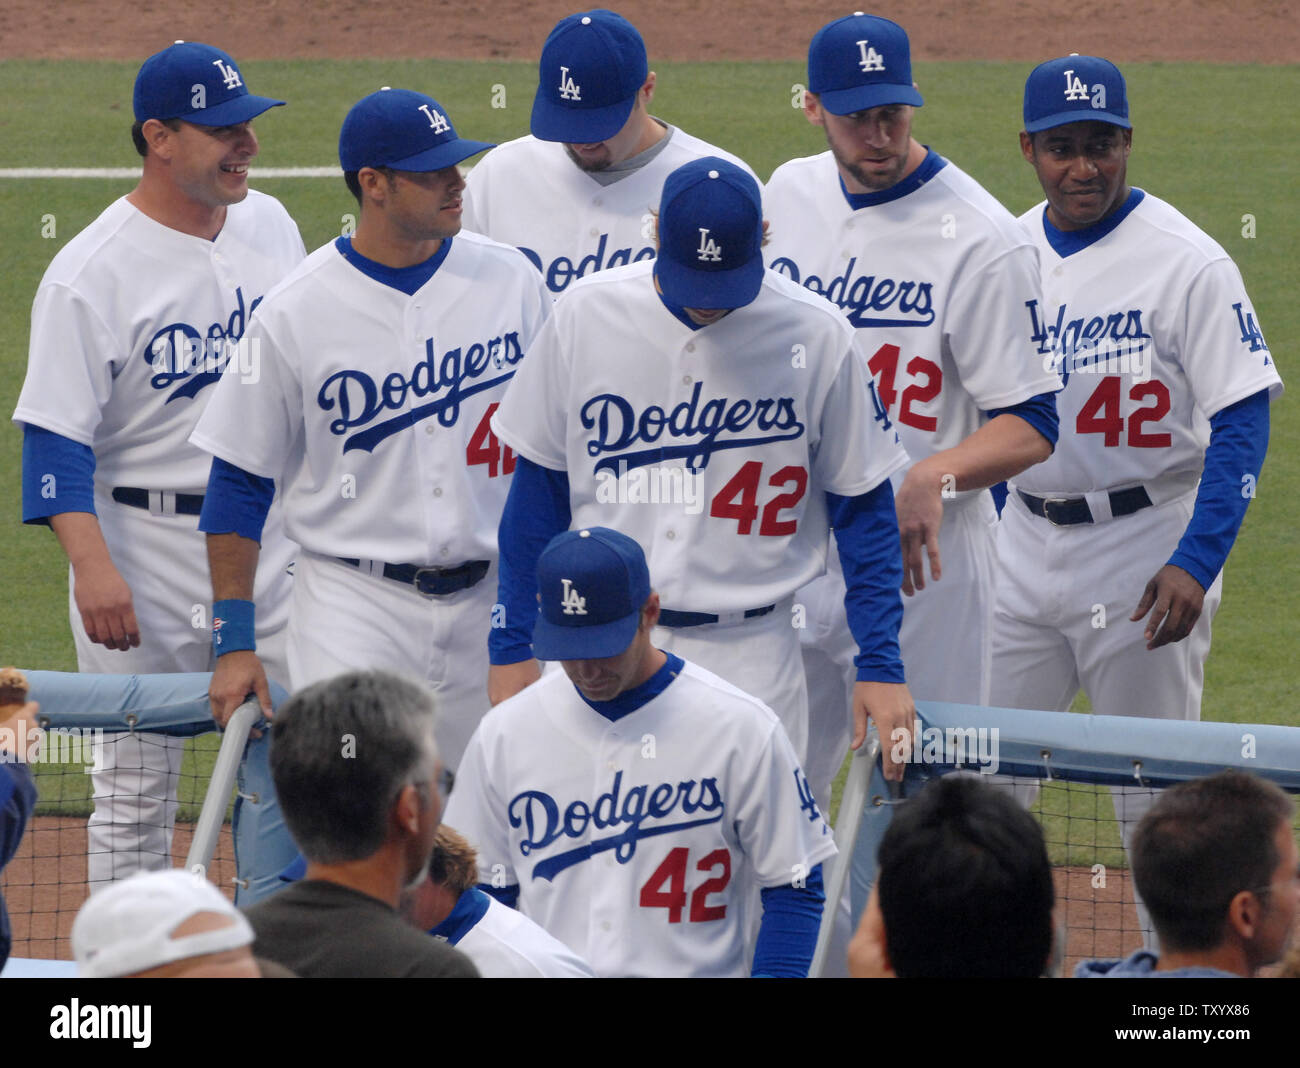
{"points": [[1048, 502], [420, 572]]}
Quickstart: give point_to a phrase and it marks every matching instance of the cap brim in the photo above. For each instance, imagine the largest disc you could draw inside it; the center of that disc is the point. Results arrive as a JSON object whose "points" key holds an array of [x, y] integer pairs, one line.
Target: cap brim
{"points": [[1064, 118], [232, 112], [862, 97], [578, 126], [710, 289], [445, 155], [591, 642]]}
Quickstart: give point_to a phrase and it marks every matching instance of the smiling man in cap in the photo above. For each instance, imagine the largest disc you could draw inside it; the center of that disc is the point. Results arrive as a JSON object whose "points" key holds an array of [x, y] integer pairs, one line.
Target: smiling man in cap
{"points": [[576, 195], [602, 790], [380, 362], [718, 414], [132, 325]]}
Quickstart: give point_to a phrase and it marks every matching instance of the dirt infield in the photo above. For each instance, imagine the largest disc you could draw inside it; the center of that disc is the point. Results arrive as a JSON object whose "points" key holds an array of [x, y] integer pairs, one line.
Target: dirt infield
{"points": [[1247, 31]]}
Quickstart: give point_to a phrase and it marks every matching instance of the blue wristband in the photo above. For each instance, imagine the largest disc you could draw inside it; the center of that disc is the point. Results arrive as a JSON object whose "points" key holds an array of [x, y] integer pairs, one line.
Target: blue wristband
{"points": [[232, 626]]}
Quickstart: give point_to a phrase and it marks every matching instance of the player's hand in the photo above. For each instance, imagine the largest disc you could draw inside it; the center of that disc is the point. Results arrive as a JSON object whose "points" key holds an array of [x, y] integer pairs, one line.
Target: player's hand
{"points": [[238, 674], [104, 600], [506, 680], [919, 504], [1174, 600], [890, 704]]}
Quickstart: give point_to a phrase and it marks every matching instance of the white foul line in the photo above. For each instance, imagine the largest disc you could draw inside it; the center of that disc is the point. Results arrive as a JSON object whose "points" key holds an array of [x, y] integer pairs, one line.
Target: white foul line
{"points": [[134, 172]]}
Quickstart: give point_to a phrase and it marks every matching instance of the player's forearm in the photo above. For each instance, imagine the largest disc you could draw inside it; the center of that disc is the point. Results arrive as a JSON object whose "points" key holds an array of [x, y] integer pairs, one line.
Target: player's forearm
{"points": [[866, 537], [232, 560], [58, 475], [82, 540], [787, 935], [1238, 444], [1002, 448]]}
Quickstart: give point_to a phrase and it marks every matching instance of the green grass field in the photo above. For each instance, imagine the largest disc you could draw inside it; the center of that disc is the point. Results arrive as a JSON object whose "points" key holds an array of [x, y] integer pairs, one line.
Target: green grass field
{"points": [[1215, 141]]}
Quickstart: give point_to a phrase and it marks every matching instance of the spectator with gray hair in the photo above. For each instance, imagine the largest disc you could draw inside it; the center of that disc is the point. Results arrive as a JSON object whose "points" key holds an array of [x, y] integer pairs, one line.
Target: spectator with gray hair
{"points": [[1216, 864], [361, 786]]}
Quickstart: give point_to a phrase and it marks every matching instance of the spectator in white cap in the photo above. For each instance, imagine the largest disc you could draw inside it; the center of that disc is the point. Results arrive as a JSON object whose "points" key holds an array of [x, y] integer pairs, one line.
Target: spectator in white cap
{"points": [[576, 194], [162, 925]]}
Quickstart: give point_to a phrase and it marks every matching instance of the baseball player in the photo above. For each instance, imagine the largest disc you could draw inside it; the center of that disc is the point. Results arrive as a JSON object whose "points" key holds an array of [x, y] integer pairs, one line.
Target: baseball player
{"points": [[634, 803], [381, 360], [935, 276], [576, 196], [1110, 553], [719, 414], [133, 323]]}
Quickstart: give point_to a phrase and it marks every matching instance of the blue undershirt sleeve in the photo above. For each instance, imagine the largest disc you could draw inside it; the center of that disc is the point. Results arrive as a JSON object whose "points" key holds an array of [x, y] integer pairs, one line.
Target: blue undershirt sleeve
{"points": [[787, 935], [237, 501], [1238, 443], [866, 535], [1039, 412], [537, 508], [58, 475]]}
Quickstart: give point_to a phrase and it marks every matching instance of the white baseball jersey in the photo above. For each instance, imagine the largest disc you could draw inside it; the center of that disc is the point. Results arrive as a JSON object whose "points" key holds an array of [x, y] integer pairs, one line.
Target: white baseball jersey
{"points": [[503, 943], [936, 280], [1152, 333], [528, 193], [734, 431], [372, 406], [640, 843]]}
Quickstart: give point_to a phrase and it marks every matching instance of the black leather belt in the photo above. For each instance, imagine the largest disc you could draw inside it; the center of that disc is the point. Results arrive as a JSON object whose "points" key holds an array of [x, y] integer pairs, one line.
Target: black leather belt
{"points": [[433, 581], [669, 618], [1068, 511], [186, 503]]}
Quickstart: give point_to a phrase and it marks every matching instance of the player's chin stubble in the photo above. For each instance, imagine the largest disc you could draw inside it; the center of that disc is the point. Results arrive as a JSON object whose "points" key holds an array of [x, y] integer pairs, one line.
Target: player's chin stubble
{"points": [[588, 165]]}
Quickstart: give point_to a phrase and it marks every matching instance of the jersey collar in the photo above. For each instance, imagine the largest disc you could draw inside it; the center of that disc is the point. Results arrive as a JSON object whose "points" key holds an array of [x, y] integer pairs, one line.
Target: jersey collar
{"points": [[471, 907], [628, 702], [930, 166], [1068, 242], [407, 280]]}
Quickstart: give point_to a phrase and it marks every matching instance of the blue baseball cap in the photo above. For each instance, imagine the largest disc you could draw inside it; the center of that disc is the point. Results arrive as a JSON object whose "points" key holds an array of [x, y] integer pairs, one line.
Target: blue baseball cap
{"points": [[593, 64], [404, 130], [197, 83], [1075, 89], [710, 236], [591, 584], [859, 62]]}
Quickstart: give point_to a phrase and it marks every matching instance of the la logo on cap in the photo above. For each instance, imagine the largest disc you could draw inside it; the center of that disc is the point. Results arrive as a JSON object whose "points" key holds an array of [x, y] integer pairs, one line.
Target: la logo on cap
{"points": [[574, 603], [437, 120], [229, 75], [709, 251], [871, 59], [569, 89]]}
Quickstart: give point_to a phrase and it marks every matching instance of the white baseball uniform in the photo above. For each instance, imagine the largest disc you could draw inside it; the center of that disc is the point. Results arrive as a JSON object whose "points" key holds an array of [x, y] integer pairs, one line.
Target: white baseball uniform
{"points": [[503, 943], [935, 275], [528, 193], [641, 842], [713, 449], [1150, 328], [371, 413], [132, 325]]}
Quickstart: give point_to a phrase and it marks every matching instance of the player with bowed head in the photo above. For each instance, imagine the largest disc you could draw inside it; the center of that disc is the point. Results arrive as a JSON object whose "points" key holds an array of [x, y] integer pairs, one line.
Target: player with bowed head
{"points": [[934, 275], [634, 803], [1110, 553], [576, 194], [743, 399], [134, 322], [382, 359]]}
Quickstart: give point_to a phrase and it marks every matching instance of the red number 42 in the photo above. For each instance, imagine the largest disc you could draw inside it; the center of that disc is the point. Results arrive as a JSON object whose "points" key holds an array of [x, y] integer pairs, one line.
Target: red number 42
{"points": [[485, 447], [738, 499], [1101, 414], [666, 888]]}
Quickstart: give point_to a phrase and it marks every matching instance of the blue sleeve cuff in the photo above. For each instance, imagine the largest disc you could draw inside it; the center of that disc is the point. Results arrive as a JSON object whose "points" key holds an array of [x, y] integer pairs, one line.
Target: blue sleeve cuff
{"points": [[537, 509], [1238, 444], [507, 895], [787, 936], [237, 501], [866, 535], [1039, 412], [58, 475]]}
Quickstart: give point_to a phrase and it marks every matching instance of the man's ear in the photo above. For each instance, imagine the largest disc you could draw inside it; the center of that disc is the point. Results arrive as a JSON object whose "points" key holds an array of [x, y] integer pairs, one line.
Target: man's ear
{"points": [[647, 90], [650, 611], [869, 948], [1027, 146], [812, 108], [407, 808], [1244, 912], [157, 135]]}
